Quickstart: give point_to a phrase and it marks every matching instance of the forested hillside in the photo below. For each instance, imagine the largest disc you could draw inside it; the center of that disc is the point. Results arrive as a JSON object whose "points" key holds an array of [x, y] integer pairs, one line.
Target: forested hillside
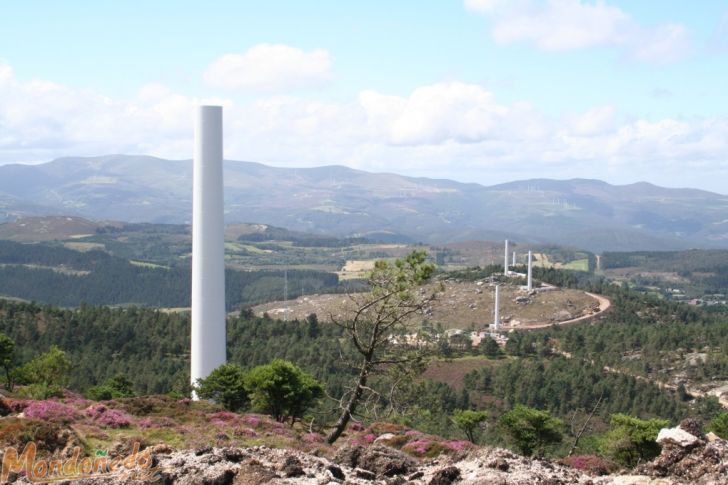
{"points": [[695, 272], [60, 276], [559, 369]]}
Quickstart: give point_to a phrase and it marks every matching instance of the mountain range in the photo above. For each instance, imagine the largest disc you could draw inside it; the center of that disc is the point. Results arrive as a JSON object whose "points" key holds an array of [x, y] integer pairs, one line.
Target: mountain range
{"points": [[340, 201]]}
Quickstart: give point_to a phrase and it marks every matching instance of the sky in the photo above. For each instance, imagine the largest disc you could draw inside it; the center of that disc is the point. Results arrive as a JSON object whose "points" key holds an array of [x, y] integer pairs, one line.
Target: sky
{"points": [[484, 91]]}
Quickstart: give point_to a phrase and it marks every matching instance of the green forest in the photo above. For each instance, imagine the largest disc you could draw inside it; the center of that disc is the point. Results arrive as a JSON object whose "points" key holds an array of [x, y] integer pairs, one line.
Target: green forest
{"points": [[558, 369], [64, 277], [699, 272]]}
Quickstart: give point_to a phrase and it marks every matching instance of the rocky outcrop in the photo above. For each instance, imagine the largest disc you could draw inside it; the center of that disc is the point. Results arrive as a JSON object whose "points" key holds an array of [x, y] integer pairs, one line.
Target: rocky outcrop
{"points": [[381, 460], [688, 457]]}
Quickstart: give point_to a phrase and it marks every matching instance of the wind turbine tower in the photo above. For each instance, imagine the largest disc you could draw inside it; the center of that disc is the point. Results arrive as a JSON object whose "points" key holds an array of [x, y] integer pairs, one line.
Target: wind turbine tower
{"points": [[505, 261], [208, 246], [530, 263], [496, 309]]}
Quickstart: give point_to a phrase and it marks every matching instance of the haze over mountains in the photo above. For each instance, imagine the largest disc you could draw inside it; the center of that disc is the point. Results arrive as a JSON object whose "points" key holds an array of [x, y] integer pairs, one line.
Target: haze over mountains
{"points": [[340, 201]]}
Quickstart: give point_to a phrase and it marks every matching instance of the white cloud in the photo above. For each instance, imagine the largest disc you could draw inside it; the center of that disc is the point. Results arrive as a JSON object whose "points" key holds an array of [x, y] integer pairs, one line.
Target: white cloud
{"points": [[41, 120], [446, 112], [561, 25], [6, 72], [452, 129], [270, 68], [595, 121]]}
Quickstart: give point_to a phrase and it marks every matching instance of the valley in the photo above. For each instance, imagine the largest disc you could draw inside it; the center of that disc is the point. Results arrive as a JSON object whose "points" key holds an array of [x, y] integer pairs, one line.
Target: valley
{"points": [[587, 333]]}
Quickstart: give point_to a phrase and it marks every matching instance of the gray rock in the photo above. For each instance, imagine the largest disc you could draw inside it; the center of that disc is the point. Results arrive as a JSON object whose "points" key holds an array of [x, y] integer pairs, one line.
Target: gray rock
{"points": [[677, 436], [446, 476]]}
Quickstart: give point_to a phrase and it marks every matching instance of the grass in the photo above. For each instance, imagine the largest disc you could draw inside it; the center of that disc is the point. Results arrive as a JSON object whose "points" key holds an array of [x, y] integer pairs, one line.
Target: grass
{"points": [[172, 438], [578, 265], [146, 264], [357, 266], [84, 246], [55, 269], [236, 247], [463, 305], [543, 260]]}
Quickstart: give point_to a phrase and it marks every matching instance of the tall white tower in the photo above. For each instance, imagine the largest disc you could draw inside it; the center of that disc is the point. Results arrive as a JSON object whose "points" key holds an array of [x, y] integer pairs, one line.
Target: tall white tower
{"points": [[530, 262], [505, 261], [208, 246], [496, 309]]}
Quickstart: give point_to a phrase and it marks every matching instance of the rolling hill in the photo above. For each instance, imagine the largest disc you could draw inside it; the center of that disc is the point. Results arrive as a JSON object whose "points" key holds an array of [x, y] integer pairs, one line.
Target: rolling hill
{"points": [[340, 201]]}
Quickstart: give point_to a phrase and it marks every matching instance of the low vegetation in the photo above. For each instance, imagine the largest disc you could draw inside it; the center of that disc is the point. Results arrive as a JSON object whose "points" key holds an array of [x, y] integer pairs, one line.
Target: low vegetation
{"points": [[527, 395]]}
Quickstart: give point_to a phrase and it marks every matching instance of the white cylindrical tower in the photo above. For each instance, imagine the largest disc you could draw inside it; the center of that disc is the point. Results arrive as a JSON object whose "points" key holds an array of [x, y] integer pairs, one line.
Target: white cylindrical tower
{"points": [[208, 246], [505, 261], [496, 308], [513, 261], [530, 281]]}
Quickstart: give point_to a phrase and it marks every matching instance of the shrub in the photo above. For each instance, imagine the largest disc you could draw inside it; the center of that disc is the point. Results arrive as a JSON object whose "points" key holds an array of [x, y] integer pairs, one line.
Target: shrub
{"points": [[530, 430], [469, 422], [419, 447], [78, 402], [108, 418], [18, 432], [282, 390], [51, 411], [158, 422], [313, 438], [7, 359], [114, 388], [252, 421], [41, 391], [17, 405], [630, 441], [424, 447], [719, 425], [225, 385], [145, 423], [398, 441], [225, 416], [247, 432], [50, 370], [458, 445], [592, 464]]}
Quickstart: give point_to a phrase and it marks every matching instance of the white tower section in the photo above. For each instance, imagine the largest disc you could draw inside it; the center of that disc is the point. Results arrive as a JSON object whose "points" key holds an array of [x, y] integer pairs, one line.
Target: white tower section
{"points": [[208, 246], [505, 262], [530, 263], [513, 261], [496, 309]]}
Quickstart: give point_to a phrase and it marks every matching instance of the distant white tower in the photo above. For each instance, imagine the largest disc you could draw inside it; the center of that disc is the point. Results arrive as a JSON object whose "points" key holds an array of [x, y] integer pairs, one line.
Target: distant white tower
{"points": [[505, 262], [530, 281], [208, 246], [496, 309], [513, 261]]}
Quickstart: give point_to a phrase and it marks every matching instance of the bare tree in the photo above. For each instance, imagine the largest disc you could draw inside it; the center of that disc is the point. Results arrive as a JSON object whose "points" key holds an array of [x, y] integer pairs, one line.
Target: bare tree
{"points": [[382, 328], [577, 435]]}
